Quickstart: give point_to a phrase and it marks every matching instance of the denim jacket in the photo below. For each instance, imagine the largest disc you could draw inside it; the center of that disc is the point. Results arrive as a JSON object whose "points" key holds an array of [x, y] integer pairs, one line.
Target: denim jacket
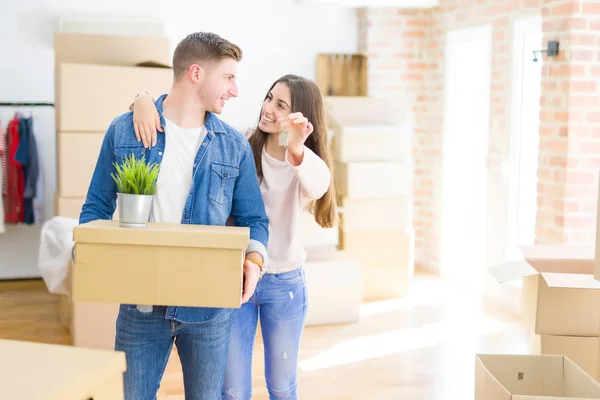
{"points": [[224, 184]]}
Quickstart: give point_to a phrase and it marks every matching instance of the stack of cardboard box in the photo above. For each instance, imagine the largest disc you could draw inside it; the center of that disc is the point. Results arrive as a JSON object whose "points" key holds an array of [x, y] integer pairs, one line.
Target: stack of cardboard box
{"points": [[373, 177], [561, 301], [334, 287], [96, 78]]}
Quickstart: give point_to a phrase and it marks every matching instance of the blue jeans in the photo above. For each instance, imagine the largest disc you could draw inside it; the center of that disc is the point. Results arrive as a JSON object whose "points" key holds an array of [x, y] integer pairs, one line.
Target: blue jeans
{"points": [[280, 300], [147, 339]]}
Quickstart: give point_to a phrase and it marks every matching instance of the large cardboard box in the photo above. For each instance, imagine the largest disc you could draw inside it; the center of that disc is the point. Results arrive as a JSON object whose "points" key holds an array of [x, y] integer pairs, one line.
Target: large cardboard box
{"points": [[386, 260], [162, 264], [110, 49], [97, 76], [77, 157], [373, 179], [369, 128], [378, 246], [89, 96], [70, 207], [560, 294], [376, 213], [334, 287], [364, 142], [47, 371], [529, 377], [581, 350], [387, 280]]}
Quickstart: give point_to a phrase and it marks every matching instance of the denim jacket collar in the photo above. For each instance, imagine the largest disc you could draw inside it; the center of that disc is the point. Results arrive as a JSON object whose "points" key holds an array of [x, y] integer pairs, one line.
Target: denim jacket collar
{"points": [[211, 122]]}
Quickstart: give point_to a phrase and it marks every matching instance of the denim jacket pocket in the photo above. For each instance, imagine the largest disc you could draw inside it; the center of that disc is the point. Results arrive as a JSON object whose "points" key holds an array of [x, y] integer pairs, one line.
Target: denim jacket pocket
{"points": [[222, 181], [122, 152]]}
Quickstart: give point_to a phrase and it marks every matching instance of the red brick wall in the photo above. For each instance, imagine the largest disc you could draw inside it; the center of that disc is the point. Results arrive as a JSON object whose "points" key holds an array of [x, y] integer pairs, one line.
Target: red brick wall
{"points": [[406, 56], [570, 124]]}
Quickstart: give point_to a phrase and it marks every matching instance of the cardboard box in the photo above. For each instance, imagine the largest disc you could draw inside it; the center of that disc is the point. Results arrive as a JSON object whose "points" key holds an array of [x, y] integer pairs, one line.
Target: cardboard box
{"points": [[334, 287], [560, 294], [388, 280], [383, 123], [70, 207], [110, 49], [77, 157], [378, 246], [356, 143], [529, 377], [375, 213], [162, 264], [583, 351], [373, 179], [47, 371], [89, 96]]}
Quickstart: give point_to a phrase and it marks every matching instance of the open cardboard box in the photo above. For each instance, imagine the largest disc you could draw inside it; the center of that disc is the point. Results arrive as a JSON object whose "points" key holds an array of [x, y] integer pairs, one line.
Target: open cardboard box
{"points": [[162, 264], [560, 294], [529, 377]]}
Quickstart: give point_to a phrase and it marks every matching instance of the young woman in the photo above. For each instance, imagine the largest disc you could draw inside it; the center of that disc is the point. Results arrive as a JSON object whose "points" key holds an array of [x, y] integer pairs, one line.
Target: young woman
{"points": [[292, 176]]}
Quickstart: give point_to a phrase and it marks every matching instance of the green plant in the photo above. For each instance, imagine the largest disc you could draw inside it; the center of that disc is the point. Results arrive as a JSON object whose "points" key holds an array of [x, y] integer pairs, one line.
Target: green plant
{"points": [[136, 176]]}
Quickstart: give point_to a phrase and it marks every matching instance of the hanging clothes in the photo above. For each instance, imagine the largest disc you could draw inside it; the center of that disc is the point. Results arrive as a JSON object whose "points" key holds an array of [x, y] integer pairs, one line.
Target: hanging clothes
{"points": [[26, 155], [14, 210]]}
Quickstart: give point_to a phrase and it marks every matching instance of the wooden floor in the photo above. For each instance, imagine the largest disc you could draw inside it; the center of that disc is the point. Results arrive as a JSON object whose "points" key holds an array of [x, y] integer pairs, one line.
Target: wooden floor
{"points": [[419, 347]]}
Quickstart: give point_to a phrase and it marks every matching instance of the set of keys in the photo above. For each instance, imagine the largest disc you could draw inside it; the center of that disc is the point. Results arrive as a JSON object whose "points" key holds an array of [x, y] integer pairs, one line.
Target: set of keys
{"points": [[283, 138]]}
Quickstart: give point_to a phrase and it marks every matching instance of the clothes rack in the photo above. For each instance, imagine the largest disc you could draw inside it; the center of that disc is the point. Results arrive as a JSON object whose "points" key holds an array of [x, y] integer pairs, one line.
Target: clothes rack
{"points": [[27, 104]]}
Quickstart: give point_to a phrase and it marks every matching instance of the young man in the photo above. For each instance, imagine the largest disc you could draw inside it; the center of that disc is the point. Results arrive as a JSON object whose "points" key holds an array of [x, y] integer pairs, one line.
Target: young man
{"points": [[207, 174]]}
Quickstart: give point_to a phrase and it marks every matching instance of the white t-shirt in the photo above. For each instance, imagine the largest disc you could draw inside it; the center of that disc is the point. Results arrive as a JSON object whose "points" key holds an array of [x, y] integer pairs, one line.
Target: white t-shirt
{"points": [[176, 170], [286, 190]]}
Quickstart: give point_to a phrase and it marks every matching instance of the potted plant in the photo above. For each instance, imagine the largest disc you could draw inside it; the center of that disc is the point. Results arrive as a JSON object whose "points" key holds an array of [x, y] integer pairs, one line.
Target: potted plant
{"points": [[136, 182]]}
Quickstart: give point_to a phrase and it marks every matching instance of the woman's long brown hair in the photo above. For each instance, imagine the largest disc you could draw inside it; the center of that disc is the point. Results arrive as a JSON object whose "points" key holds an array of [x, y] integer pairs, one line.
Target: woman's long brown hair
{"points": [[306, 98]]}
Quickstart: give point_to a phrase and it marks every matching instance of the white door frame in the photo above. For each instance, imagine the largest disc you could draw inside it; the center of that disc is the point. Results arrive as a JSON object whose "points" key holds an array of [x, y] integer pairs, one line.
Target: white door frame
{"points": [[521, 27], [453, 39]]}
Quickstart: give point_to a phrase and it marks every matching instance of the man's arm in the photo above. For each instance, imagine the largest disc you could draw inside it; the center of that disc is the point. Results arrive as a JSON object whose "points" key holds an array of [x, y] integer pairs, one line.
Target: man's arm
{"points": [[248, 208], [102, 193]]}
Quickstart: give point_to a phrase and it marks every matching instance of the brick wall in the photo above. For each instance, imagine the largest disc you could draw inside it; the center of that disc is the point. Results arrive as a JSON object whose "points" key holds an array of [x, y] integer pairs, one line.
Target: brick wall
{"points": [[406, 56], [570, 124]]}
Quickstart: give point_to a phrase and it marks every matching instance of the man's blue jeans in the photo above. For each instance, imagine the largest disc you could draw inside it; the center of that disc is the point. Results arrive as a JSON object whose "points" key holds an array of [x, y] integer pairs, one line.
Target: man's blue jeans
{"points": [[147, 339]]}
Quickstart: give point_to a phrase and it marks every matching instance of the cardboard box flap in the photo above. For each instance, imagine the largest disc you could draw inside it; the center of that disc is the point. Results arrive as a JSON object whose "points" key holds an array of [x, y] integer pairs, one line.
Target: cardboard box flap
{"points": [[577, 383], [571, 281], [512, 270], [153, 64], [561, 258], [176, 235]]}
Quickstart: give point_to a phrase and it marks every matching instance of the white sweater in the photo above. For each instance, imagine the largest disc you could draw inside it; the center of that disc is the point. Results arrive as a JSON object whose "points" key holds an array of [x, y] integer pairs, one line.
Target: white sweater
{"points": [[286, 190]]}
